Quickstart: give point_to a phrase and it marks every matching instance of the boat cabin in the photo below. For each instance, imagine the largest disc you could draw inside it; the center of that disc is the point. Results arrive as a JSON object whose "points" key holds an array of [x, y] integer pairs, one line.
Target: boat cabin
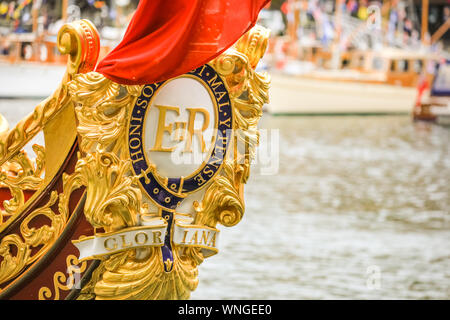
{"points": [[398, 67]]}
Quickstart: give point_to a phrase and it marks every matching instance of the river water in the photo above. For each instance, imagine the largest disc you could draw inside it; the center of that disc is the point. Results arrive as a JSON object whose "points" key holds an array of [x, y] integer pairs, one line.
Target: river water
{"points": [[359, 208]]}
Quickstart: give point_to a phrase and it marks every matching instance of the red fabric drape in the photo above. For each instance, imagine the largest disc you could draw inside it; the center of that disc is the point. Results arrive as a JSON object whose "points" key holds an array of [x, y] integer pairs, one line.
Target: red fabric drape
{"points": [[167, 38]]}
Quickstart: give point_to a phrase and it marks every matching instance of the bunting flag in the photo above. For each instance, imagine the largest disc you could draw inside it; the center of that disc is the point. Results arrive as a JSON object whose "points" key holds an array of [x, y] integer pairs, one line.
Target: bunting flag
{"points": [[168, 38]]}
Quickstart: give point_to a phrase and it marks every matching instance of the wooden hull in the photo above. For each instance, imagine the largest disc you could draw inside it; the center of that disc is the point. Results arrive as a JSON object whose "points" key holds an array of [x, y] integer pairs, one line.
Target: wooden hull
{"points": [[51, 270], [41, 202], [436, 109]]}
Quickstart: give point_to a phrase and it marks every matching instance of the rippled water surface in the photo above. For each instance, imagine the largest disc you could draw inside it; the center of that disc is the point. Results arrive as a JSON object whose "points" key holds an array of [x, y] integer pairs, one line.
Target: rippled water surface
{"points": [[353, 196], [355, 200]]}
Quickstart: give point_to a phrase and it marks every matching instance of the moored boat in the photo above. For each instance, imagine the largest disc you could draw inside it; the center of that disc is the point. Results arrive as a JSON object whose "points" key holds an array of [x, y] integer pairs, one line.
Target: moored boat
{"points": [[433, 104], [373, 83]]}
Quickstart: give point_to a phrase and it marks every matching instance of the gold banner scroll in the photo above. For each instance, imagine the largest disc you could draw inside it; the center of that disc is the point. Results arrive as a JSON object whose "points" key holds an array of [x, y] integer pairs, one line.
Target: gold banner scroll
{"points": [[150, 234], [186, 234], [116, 197]]}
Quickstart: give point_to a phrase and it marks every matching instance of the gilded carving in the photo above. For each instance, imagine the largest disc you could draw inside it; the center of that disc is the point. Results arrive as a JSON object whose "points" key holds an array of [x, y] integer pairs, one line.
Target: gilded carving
{"points": [[114, 197], [28, 239], [20, 174], [117, 203], [60, 280]]}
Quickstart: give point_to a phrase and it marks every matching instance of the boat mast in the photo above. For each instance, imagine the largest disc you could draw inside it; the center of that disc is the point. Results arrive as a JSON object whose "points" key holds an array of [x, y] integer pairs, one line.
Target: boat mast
{"points": [[424, 28], [336, 52], [65, 3], [34, 15], [440, 32]]}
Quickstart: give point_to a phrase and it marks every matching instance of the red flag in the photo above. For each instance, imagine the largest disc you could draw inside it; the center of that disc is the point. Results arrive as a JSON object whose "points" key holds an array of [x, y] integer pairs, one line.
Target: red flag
{"points": [[168, 38]]}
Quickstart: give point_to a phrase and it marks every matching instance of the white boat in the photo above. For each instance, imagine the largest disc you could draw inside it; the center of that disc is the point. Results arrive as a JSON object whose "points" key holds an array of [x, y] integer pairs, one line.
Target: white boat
{"points": [[370, 83], [435, 105], [302, 95]]}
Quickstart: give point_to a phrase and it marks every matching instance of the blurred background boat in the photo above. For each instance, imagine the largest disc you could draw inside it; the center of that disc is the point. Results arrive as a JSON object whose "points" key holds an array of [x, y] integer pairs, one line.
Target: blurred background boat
{"points": [[354, 57], [325, 56]]}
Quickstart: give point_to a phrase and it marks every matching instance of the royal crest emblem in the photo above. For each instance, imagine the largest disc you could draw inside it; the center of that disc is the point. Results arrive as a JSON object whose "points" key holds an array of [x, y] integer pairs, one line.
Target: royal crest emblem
{"points": [[151, 171]]}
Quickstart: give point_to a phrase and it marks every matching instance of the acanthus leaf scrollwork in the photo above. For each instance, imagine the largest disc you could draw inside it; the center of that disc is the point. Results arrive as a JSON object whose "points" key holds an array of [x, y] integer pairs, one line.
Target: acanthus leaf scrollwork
{"points": [[114, 199], [23, 177]]}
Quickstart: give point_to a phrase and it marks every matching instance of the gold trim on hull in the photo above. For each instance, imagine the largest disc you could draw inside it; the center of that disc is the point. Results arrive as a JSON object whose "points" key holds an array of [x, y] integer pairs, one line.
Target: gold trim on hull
{"points": [[21, 176]]}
